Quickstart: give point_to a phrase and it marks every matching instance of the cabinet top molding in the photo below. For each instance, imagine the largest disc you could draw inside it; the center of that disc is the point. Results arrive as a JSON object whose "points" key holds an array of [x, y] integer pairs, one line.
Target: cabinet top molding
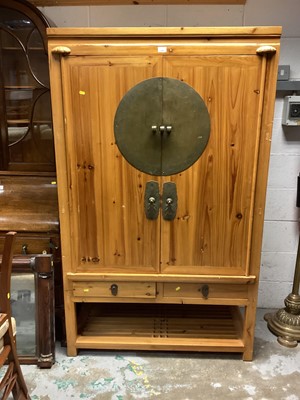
{"points": [[274, 31], [128, 2]]}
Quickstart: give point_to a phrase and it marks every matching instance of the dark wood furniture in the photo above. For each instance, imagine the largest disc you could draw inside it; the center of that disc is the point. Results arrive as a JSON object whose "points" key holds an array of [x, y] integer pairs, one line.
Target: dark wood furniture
{"points": [[26, 129], [13, 380], [28, 194], [31, 208]]}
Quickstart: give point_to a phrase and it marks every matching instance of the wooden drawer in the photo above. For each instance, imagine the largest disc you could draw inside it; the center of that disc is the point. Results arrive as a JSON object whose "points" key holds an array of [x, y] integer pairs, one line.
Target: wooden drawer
{"points": [[30, 244], [115, 289], [205, 291]]}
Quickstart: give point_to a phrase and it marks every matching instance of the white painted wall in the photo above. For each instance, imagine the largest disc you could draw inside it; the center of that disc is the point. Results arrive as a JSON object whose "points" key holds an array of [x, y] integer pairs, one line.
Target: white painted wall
{"points": [[281, 229]]}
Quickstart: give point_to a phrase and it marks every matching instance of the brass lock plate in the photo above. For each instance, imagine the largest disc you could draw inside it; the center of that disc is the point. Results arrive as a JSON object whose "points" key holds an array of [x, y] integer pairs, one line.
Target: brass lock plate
{"points": [[169, 201], [162, 126], [152, 200]]}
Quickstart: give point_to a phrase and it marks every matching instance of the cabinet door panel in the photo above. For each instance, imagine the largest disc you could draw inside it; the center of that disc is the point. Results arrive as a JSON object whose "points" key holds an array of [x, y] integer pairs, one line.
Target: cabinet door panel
{"points": [[109, 228], [212, 230]]}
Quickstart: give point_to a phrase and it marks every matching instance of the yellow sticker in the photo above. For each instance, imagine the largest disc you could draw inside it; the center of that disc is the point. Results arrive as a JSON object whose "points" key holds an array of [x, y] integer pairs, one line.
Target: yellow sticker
{"points": [[178, 288], [82, 92], [8, 296], [86, 290], [53, 183]]}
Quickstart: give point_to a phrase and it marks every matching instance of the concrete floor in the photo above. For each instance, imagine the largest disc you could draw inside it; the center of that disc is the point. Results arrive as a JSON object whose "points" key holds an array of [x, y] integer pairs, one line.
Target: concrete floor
{"points": [[273, 374]]}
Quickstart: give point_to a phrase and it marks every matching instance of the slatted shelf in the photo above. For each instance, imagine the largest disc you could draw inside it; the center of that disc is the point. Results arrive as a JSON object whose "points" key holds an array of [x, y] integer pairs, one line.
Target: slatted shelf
{"points": [[162, 327]]}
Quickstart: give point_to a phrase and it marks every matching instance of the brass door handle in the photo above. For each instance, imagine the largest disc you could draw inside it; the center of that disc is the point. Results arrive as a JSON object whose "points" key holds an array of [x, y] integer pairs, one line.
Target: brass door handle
{"points": [[152, 200], [162, 129], [169, 201]]}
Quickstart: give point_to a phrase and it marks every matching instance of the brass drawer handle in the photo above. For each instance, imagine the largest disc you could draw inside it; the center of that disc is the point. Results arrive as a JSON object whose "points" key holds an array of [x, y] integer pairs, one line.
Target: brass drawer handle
{"points": [[114, 289], [205, 291]]}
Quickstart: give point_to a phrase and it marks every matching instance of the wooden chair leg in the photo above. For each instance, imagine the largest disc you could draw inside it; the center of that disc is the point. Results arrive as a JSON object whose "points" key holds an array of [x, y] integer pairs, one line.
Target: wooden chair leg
{"points": [[20, 390], [13, 380]]}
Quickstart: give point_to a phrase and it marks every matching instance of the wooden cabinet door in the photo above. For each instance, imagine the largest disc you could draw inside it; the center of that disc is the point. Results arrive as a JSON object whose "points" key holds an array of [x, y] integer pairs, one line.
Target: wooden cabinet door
{"points": [[211, 233], [109, 229], [212, 230]]}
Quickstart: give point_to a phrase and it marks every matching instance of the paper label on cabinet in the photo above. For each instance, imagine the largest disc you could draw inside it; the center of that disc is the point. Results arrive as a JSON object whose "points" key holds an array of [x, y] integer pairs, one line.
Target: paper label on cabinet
{"points": [[162, 49]]}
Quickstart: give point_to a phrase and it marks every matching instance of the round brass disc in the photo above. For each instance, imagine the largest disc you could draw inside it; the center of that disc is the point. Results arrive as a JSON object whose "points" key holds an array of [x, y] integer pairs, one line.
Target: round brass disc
{"points": [[162, 126]]}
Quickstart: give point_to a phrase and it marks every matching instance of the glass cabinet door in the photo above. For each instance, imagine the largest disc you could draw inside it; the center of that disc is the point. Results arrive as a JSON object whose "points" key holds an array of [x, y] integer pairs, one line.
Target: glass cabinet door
{"points": [[26, 127], [23, 305]]}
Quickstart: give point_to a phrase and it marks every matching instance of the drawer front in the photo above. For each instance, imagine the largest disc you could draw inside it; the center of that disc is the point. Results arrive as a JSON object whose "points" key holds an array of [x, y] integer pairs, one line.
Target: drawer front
{"points": [[30, 245], [115, 289], [205, 291]]}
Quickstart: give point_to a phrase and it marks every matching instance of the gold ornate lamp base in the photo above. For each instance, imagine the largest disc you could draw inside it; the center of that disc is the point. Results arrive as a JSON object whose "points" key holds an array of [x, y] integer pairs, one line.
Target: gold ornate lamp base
{"points": [[285, 323]]}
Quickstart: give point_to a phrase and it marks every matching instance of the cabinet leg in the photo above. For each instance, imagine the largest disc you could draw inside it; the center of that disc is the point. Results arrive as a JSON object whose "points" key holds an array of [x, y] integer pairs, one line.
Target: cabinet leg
{"points": [[71, 351], [71, 325], [249, 329], [248, 354]]}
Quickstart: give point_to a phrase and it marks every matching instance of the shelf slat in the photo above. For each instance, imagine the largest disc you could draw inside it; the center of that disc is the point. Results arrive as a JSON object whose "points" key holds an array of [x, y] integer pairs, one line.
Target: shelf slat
{"points": [[161, 327]]}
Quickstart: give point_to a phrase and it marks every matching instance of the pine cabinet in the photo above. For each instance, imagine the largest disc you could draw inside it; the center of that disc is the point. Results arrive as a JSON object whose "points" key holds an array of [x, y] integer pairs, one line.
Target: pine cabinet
{"points": [[162, 139]]}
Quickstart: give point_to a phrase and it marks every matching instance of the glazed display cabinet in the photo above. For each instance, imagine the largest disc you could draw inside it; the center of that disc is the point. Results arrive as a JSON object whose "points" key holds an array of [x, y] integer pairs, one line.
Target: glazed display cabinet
{"points": [[28, 193], [162, 141], [26, 123]]}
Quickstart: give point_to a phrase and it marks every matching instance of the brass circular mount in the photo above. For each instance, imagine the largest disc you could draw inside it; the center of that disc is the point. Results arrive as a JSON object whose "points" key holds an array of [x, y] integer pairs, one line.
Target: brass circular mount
{"points": [[162, 126]]}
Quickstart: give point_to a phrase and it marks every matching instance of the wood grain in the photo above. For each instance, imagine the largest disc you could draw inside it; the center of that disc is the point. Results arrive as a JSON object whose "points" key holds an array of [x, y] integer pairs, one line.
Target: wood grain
{"points": [[24, 208], [217, 233], [213, 220], [125, 289], [87, 276], [104, 189], [233, 32]]}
